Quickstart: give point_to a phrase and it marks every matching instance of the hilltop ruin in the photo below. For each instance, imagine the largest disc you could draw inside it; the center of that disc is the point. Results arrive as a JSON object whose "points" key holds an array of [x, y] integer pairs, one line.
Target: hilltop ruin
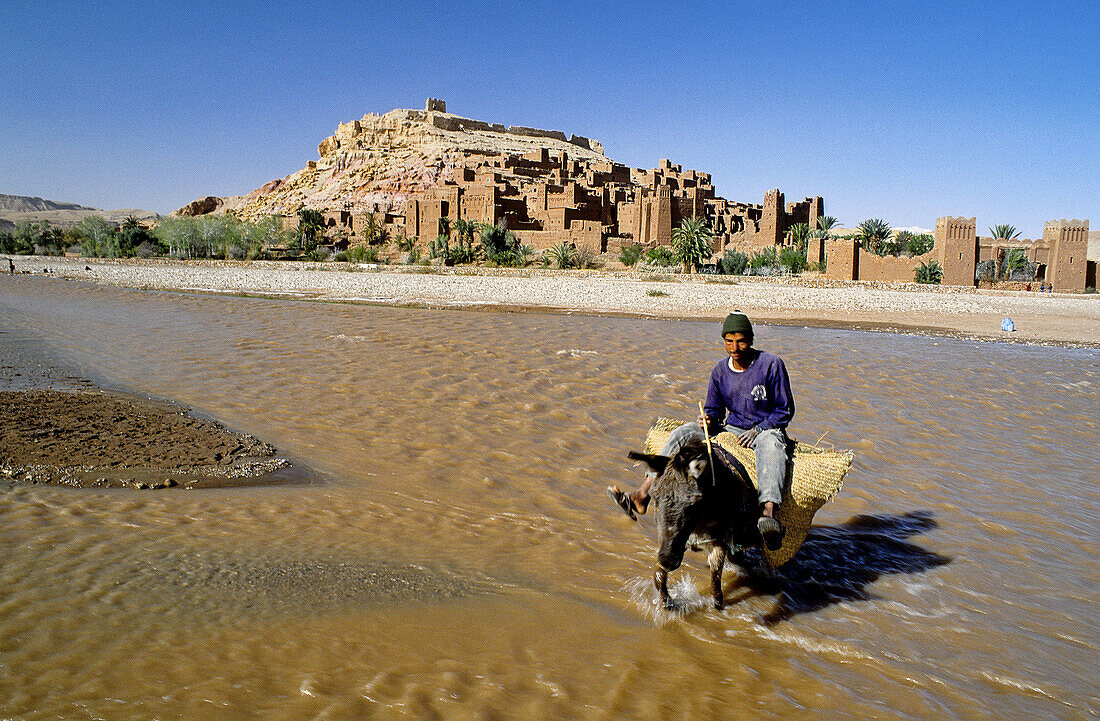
{"points": [[410, 168]]}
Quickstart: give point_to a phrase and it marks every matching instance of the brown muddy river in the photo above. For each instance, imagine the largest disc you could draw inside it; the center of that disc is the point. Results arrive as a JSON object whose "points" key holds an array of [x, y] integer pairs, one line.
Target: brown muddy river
{"points": [[456, 556]]}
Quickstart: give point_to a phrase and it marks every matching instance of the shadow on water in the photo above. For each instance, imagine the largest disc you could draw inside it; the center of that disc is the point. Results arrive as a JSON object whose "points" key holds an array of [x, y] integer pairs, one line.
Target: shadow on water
{"points": [[837, 563]]}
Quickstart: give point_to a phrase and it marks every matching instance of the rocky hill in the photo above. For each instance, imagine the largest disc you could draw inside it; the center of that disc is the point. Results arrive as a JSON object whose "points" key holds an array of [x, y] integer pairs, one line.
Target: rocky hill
{"points": [[29, 204], [17, 208], [380, 160]]}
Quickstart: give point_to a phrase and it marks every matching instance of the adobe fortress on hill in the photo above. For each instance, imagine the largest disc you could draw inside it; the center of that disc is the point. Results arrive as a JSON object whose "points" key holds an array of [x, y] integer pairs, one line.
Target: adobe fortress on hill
{"points": [[415, 166]]}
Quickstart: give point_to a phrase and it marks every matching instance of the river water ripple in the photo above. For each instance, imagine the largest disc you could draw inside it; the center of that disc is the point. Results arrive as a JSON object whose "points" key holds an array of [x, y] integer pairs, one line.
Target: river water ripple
{"points": [[460, 559]]}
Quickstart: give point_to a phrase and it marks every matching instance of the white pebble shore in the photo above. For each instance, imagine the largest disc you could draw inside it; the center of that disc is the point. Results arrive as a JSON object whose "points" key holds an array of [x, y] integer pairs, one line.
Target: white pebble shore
{"points": [[1063, 318]]}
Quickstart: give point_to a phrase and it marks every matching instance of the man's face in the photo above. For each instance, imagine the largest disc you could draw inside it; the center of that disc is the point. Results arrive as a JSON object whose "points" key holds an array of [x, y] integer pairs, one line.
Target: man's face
{"points": [[738, 345]]}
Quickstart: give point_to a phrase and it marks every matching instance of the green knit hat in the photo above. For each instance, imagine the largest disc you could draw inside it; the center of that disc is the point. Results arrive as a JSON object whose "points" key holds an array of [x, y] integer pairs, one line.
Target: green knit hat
{"points": [[737, 323]]}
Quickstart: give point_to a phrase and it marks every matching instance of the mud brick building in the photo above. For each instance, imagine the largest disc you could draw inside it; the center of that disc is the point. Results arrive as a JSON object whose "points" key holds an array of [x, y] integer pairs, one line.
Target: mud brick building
{"points": [[548, 198], [1060, 255]]}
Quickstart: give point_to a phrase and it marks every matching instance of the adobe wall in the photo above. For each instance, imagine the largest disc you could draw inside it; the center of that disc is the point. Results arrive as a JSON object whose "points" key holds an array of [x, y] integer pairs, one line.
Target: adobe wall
{"points": [[1061, 255], [843, 259], [890, 268], [815, 250], [536, 133], [584, 234]]}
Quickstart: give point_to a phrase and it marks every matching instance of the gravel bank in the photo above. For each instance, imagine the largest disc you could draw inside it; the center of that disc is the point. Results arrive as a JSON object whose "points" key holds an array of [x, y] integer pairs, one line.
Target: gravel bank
{"points": [[1064, 319]]}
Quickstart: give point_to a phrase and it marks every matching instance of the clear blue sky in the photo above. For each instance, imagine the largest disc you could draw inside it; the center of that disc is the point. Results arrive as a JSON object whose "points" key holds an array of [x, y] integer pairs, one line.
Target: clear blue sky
{"points": [[904, 111]]}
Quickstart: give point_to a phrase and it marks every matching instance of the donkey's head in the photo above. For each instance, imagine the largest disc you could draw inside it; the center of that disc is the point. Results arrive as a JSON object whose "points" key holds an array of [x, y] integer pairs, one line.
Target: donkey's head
{"points": [[679, 494]]}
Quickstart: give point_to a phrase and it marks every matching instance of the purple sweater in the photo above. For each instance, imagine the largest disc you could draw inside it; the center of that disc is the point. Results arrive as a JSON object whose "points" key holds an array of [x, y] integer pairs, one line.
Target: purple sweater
{"points": [[758, 397]]}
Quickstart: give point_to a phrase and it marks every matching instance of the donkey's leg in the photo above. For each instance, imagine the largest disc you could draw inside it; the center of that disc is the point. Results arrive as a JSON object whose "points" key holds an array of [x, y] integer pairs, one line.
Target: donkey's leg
{"points": [[717, 561], [660, 580]]}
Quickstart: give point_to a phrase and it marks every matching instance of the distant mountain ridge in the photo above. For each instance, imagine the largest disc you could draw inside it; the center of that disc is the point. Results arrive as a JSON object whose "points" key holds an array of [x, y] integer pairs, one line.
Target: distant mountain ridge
{"points": [[34, 204], [18, 208]]}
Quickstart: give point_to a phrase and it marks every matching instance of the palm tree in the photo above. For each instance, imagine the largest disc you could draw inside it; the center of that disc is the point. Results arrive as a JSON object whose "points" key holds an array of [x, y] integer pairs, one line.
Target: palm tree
{"points": [[497, 242], [873, 234], [1010, 262], [826, 223], [130, 222], [692, 242], [467, 229], [1004, 232], [800, 233]]}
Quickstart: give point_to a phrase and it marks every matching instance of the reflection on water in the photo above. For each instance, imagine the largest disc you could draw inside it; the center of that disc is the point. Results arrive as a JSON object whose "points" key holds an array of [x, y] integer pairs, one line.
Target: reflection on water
{"points": [[461, 559]]}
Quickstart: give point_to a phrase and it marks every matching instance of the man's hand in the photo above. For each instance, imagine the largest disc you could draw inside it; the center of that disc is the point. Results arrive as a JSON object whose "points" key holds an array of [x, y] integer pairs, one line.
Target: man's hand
{"points": [[747, 437], [705, 423]]}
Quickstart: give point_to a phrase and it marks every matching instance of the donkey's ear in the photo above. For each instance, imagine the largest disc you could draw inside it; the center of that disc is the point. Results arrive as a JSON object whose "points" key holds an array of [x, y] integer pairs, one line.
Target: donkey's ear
{"points": [[656, 462]]}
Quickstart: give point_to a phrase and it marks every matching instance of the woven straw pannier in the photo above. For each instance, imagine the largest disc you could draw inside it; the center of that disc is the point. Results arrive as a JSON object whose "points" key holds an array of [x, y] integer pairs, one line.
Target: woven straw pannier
{"points": [[814, 477]]}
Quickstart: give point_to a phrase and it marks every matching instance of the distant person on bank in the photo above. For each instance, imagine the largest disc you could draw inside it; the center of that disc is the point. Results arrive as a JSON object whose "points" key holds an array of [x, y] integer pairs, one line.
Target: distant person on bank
{"points": [[749, 396]]}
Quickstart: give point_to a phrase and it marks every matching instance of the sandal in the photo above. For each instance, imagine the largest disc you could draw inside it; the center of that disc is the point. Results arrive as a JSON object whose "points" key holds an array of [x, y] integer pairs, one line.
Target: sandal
{"points": [[772, 531], [622, 501]]}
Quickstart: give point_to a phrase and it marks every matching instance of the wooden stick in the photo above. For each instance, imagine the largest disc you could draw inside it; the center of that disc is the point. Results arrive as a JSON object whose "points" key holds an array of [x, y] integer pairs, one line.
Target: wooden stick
{"points": [[710, 451]]}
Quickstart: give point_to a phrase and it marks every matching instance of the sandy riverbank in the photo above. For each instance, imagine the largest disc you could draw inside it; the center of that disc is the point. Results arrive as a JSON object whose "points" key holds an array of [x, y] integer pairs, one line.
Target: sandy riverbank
{"points": [[90, 438], [1064, 319]]}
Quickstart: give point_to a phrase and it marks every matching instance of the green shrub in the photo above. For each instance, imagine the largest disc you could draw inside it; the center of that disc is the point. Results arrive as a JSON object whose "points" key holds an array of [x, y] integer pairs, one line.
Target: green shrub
{"points": [[521, 256], [630, 254], [929, 273], [562, 255], [363, 254], [440, 247], [766, 258], [498, 243], [734, 262], [655, 293], [793, 259], [660, 255], [919, 244]]}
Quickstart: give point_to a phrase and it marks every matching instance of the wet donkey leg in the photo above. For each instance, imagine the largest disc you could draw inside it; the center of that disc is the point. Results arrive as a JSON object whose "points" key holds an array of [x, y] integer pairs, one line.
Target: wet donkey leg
{"points": [[717, 560], [660, 581]]}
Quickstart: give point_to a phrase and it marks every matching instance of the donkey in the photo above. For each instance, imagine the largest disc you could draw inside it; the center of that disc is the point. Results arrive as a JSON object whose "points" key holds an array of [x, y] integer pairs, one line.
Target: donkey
{"points": [[700, 507]]}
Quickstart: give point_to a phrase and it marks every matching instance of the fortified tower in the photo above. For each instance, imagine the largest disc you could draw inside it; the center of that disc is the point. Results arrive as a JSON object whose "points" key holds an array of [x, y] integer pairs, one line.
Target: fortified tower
{"points": [[771, 220], [956, 249], [1068, 243], [661, 220], [817, 210]]}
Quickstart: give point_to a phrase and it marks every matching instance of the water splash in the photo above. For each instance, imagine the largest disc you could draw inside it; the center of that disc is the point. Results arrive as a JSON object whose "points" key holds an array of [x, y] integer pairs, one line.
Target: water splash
{"points": [[684, 596]]}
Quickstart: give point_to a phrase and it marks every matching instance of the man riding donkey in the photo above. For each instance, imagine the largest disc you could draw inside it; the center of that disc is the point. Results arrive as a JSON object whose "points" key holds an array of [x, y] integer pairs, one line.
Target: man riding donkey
{"points": [[751, 390]]}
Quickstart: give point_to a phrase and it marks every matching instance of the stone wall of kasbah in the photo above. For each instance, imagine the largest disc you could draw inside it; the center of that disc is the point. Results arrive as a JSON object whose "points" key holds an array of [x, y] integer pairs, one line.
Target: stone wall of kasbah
{"points": [[547, 199], [1060, 254], [566, 192]]}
